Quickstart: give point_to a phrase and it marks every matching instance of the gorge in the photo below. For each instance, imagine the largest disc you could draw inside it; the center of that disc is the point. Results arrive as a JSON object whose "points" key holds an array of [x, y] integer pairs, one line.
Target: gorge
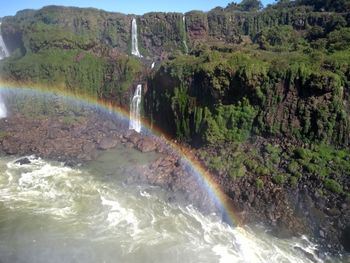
{"points": [[258, 98]]}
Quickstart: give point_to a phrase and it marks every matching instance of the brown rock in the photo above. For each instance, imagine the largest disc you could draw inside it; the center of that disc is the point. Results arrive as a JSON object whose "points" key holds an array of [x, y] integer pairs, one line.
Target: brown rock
{"points": [[107, 143], [146, 145]]}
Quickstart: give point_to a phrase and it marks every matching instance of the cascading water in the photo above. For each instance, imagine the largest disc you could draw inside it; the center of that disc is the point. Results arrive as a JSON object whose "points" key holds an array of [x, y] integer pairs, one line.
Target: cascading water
{"points": [[135, 119], [134, 41], [184, 34], [3, 53], [3, 49], [3, 110]]}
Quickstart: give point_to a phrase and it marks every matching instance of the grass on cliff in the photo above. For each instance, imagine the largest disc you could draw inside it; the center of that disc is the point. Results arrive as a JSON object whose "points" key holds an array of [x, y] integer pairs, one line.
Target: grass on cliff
{"points": [[283, 167]]}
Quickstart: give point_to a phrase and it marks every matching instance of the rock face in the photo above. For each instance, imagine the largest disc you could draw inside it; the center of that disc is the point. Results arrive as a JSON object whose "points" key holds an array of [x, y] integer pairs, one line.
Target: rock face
{"points": [[159, 33], [194, 104]]}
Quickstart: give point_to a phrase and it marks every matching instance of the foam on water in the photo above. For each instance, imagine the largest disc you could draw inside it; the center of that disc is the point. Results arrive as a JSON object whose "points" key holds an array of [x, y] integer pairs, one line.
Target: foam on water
{"points": [[121, 223]]}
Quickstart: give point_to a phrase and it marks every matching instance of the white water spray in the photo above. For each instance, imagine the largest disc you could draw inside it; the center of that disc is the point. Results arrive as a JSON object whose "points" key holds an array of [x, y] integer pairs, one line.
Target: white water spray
{"points": [[71, 215], [134, 41], [135, 119], [185, 32], [153, 64], [3, 49]]}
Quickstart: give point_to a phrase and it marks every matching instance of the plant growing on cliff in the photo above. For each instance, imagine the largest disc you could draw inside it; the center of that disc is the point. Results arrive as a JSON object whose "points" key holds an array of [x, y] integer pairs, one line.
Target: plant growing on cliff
{"points": [[229, 122]]}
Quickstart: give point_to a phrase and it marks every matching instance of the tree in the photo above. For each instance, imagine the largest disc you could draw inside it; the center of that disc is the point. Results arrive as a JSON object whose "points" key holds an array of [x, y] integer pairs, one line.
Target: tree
{"points": [[250, 5], [327, 5], [282, 1], [245, 5]]}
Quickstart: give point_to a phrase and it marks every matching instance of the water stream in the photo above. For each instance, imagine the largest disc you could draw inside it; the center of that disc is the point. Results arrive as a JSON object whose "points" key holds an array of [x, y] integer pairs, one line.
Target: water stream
{"points": [[3, 49], [3, 110], [135, 110], [185, 33], [134, 39]]}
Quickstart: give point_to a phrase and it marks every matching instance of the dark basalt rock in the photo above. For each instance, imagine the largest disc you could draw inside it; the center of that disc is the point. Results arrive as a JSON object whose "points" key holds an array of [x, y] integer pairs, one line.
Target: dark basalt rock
{"points": [[23, 161], [345, 239]]}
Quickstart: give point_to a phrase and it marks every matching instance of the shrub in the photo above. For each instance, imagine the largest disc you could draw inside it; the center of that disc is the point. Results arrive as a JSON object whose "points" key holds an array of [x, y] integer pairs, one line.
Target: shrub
{"points": [[259, 183], [251, 164], [293, 167], [279, 179], [262, 170], [293, 181], [333, 186]]}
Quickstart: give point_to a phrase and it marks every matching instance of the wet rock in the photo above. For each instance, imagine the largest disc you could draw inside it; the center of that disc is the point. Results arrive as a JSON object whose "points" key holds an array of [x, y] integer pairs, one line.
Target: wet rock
{"points": [[134, 138], [345, 238], [23, 161], [70, 163], [306, 254], [107, 143], [321, 233], [146, 145]]}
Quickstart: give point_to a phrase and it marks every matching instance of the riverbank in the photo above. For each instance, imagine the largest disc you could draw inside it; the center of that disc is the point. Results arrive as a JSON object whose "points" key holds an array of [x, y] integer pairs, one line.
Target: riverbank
{"points": [[289, 205]]}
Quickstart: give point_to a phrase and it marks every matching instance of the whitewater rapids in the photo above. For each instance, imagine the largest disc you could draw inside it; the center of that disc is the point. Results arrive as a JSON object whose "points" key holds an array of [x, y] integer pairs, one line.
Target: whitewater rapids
{"points": [[53, 213]]}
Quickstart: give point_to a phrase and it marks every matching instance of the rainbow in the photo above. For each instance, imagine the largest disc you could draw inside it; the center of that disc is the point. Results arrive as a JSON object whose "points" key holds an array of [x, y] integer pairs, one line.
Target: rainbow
{"points": [[203, 176]]}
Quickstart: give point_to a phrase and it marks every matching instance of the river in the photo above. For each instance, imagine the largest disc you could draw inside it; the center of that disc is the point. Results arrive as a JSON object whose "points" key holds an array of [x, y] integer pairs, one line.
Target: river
{"points": [[53, 213]]}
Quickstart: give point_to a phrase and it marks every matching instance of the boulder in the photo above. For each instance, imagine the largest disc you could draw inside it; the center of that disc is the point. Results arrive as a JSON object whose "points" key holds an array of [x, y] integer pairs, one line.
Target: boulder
{"points": [[146, 145], [23, 161], [107, 143]]}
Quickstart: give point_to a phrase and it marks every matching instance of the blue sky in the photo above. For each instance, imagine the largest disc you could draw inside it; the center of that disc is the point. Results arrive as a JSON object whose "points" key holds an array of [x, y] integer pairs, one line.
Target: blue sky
{"points": [[10, 7]]}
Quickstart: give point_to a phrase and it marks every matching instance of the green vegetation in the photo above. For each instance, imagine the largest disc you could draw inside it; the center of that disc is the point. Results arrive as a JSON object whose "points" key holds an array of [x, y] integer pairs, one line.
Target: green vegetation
{"points": [[278, 72], [296, 164], [76, 70], [324, 160], [259, 184], [279, 179], [333, 186]]}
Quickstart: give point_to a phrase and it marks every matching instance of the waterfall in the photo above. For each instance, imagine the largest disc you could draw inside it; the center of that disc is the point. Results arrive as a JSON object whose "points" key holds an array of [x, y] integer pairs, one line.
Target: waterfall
{"points": [[3, 50], [3, 54], [135, 118], [184, 33], [134, 41], [3, 111], [153, 64]]}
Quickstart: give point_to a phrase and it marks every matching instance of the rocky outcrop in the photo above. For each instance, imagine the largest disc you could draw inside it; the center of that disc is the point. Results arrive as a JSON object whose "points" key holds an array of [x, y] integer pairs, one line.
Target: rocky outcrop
{"points": [[55, 138]]}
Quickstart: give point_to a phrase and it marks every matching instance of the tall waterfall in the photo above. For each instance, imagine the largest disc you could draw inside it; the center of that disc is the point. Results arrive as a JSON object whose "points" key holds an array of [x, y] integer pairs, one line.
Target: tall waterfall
{"points": [[134, 41], [184, 34], [3, 50], [135, 118]]}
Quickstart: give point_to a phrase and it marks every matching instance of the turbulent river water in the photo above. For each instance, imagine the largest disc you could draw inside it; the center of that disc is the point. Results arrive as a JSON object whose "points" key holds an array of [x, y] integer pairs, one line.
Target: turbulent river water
{"points": [[53, 213]]}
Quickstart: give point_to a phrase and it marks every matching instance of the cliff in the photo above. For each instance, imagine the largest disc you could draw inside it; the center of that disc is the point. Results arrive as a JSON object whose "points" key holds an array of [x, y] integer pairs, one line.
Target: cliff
{"points": [[158, 32]]}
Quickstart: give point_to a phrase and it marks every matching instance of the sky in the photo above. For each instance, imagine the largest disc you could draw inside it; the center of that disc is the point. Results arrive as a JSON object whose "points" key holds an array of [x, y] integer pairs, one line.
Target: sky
{"points": [[10, 7]]}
